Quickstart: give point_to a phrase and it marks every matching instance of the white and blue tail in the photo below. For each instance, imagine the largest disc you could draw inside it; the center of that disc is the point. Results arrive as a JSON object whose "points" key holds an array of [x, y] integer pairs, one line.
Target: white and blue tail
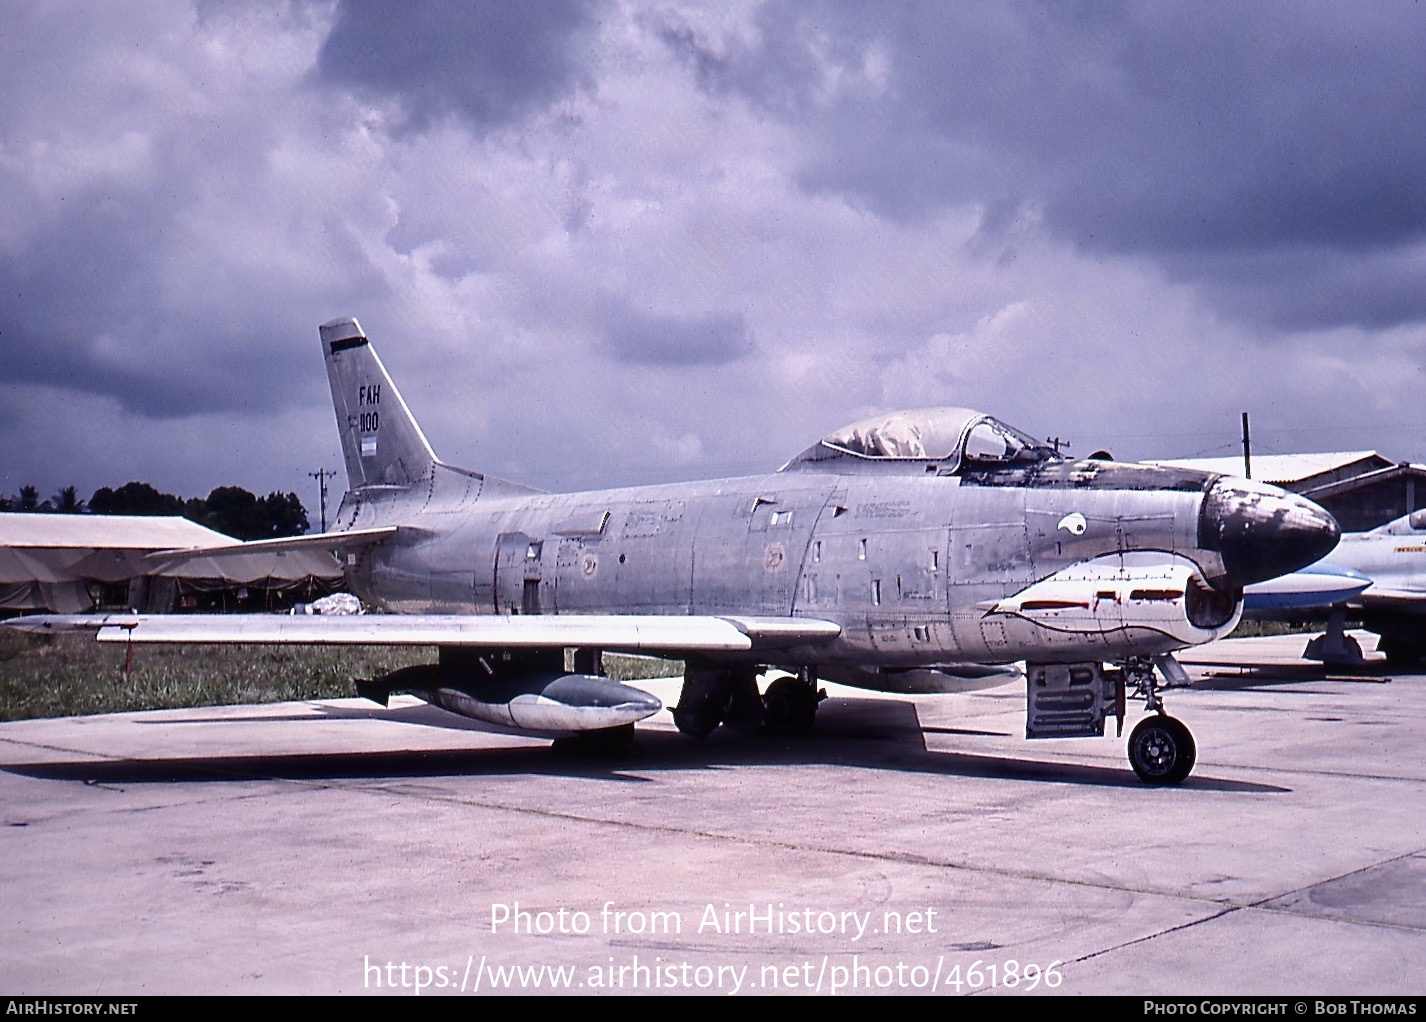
{"points": [[381, 442]]}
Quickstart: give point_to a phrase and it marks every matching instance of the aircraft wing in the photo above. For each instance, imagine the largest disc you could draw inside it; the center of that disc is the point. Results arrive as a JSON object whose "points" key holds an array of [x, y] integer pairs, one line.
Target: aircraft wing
{"points": [[612, 632]]}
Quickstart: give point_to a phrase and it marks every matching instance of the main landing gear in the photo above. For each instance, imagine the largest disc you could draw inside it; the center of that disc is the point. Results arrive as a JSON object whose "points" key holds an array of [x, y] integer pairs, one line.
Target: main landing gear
{"points": [[713, 696], [1161, 748]]}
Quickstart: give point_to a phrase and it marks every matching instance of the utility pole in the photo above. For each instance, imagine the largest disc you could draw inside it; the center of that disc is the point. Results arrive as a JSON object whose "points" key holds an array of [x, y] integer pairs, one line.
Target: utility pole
{"points": [[1247, 450], [322, 475], [1056, 443]]}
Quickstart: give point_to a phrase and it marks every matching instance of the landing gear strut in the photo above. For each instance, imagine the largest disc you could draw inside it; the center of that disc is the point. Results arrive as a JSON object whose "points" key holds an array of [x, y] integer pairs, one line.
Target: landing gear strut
{"points": [[1161, 748]]}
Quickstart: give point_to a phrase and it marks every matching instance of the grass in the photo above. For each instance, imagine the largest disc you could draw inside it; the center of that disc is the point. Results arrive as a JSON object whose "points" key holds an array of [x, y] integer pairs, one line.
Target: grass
{"points": [[73, 675], [633, 668], [1252, 629]]}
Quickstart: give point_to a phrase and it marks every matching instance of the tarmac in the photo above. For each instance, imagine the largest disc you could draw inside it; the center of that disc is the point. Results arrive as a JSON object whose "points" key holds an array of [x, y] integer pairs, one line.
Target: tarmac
{"points": [[911, 845]]}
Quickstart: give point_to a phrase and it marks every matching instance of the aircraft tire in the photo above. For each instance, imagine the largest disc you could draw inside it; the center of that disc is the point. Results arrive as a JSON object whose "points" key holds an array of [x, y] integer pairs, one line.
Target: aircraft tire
{"points": [[789, 707], [1162, 750], [704, 700], [695, 723]]}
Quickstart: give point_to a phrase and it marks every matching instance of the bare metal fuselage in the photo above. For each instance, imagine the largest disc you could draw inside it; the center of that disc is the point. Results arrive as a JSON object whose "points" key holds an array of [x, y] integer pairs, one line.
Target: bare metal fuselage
{"points": [[910, 565]]}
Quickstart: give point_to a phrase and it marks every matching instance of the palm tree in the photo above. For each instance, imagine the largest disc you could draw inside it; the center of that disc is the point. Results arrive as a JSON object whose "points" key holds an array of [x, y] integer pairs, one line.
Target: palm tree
{"points": [[67, 502]]}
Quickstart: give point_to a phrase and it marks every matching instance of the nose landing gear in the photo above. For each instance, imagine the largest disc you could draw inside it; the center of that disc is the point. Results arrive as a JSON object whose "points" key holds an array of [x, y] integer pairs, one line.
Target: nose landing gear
{"points": [[1161, 748]]}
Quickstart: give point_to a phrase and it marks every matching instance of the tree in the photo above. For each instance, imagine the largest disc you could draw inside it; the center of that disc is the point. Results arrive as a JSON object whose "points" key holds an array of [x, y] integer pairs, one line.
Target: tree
{"points": [[232, 511], [134, 499], [67, 501], [29, 499], [240, 514], [285, 514]]}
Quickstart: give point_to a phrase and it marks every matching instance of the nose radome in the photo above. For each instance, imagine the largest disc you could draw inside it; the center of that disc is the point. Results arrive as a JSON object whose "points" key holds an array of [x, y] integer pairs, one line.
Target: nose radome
{"points": [[1263, 531]]}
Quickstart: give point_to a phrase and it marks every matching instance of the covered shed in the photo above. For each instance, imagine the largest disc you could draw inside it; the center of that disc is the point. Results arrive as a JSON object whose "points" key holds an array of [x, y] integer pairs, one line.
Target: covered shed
{"points": [[1362, 489], [68, 564]]}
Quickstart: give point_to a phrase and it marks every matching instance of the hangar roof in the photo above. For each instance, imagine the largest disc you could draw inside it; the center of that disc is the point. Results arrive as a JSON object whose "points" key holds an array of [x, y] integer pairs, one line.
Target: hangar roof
{"points": [[1286, 469], [110, 532]]}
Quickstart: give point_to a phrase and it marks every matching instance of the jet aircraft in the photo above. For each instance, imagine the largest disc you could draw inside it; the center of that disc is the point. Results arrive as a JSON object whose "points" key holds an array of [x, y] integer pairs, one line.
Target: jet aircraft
{"points": [[1378, 576], [908, 552]]}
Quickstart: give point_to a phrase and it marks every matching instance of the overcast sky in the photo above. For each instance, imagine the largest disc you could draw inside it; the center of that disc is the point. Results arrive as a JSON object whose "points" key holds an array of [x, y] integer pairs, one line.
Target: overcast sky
{"points": [[608, 243]]}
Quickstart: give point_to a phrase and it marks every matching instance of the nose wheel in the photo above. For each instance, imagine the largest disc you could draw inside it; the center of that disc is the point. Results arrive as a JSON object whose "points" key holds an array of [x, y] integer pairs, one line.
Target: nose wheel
{"points": [[1161, 750]]}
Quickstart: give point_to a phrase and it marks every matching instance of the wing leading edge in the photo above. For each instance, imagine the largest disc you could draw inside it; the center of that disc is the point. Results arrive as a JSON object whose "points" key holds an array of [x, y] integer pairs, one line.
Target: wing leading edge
{"points": [[612, 632]]}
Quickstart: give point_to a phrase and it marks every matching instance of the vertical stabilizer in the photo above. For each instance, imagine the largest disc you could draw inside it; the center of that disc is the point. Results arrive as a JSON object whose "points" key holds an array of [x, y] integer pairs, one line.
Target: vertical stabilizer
{"points": [[381, 442]]}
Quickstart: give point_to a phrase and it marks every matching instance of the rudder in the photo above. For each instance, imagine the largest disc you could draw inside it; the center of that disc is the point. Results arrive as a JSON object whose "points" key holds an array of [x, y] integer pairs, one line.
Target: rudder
{"points": [[381, 441]]}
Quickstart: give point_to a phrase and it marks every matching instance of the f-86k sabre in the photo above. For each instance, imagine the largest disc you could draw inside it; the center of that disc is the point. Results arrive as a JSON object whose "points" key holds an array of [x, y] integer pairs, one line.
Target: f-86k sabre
{"points": [[909, 552]]}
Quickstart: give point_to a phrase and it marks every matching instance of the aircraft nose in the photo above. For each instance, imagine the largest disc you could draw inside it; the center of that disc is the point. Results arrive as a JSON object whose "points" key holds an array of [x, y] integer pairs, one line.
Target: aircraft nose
{"points": [[1263, 531]]}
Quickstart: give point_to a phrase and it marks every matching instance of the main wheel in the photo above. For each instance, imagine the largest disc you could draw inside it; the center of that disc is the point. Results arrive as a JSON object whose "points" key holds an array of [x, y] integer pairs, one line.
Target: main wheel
{"points": [[696, 721], [789, 707], [1161, 750], [704, 700]]}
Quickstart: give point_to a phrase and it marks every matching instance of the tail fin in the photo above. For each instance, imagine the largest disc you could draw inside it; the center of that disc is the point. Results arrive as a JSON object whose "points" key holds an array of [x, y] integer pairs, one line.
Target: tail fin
{"points": [[381, 442]]}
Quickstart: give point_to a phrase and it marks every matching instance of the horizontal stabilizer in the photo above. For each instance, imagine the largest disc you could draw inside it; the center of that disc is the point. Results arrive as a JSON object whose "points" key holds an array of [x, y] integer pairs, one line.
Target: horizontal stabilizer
{"points": [[353, 539]]}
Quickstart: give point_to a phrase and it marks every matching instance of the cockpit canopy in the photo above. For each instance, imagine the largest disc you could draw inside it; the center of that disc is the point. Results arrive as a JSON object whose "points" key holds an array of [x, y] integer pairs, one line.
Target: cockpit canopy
{"points": [[957, 437]]}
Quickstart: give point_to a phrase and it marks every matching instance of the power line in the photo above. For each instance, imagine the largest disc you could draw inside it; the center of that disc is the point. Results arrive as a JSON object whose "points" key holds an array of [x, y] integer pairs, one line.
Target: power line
{"points": [[322, 475]]}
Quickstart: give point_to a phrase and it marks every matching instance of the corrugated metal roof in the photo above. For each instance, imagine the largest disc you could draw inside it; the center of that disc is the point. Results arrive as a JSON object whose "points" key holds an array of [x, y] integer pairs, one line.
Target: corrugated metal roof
{"points": [[111, 532], [1277, 468]]}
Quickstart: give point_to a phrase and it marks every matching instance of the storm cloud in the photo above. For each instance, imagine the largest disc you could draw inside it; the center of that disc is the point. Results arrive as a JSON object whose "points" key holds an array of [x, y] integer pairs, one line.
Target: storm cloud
{"points": [[674, 340], [614, 242], [486, 62], [1204, 136]]}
